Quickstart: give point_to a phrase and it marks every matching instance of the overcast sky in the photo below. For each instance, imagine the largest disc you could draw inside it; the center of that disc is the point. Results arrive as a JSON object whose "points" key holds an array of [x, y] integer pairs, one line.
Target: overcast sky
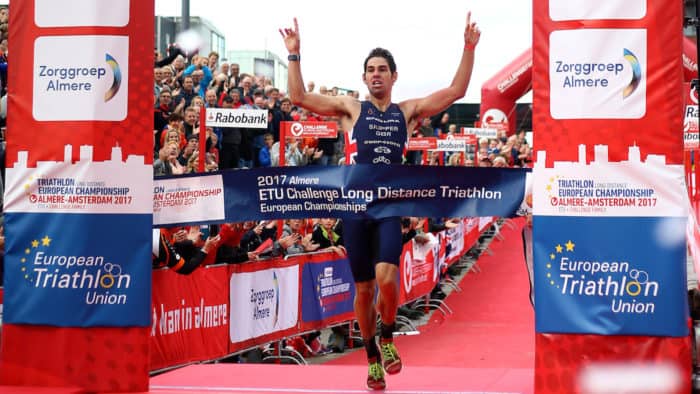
{"points": [[425, 36]]}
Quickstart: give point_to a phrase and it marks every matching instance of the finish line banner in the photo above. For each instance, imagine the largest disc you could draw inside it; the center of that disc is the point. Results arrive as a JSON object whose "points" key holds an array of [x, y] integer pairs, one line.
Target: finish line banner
{"points": [[365, 191]]}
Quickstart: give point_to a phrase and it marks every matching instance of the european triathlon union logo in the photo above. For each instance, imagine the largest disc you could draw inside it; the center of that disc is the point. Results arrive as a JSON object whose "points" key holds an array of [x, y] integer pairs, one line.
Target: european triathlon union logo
{"points": [[636, 73], [117, 82], [616, 281], [608, 276], [44, 267]]}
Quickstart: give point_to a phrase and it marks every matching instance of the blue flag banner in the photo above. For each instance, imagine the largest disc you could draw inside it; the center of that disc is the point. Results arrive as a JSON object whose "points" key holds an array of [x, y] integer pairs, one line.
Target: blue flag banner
{"points": [[62, 274], [327, 290], [358, 191], [609, 276], [610, 246]]}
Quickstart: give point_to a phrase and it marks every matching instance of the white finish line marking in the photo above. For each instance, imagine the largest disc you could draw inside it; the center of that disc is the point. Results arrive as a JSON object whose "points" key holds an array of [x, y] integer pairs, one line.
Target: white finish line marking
{"points": [[315, 391]]}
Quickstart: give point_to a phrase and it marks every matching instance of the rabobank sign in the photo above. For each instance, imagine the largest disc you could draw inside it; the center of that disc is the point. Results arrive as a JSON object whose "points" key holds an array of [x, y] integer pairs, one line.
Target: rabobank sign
{"points": [[245, 118], [90, 84], [598, 74]]}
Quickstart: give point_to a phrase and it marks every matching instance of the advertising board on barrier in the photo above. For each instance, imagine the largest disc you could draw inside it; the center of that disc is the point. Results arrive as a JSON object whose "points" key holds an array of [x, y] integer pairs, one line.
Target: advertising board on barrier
{"points": [[190, 316], [422, 143], [309, 129], [327, 290], [263, 302], [603, 264], [455, 242], [418, 269], [480, 132]]}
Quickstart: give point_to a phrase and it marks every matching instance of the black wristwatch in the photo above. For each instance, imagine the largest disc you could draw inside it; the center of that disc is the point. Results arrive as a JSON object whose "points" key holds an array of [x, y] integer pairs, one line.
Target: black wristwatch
{"points": [[293, 58]]}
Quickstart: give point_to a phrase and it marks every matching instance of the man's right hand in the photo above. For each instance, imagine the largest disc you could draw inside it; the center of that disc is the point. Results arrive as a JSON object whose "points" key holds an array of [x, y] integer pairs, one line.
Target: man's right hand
{"points": [[291, 38]]}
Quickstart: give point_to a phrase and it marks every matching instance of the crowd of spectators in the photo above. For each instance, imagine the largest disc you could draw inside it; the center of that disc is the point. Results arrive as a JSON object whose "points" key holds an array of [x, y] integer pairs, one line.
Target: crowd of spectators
{"points": [[184, 85]]}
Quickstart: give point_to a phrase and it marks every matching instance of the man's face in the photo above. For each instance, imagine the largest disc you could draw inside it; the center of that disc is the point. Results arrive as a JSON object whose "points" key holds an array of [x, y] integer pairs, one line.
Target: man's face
{"points": [[235, 69], [197, 76], [260, 102], [158, 74], [286, 106], [190, 117], [165, 98], [188, 84], [210, 97], [378, 77], [268, 142]]}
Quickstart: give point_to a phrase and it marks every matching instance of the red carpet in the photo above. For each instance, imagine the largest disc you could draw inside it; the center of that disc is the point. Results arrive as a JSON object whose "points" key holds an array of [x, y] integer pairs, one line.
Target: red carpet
{"points": [[493, 322], [486, 346]]}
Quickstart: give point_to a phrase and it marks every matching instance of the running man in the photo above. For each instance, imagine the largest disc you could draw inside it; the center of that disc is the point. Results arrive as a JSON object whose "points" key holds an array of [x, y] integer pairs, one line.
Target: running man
{"points": [[380, 129]]}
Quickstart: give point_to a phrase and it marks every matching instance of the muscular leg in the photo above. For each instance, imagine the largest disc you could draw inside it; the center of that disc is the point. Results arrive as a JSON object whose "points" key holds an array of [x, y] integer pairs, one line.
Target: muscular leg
{"points": [[364, 309], [388, 299]]}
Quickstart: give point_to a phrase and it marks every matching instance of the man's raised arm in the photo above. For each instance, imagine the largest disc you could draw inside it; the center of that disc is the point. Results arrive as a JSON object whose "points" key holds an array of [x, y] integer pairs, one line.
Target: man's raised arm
{"points": [[324, 105], [443, 98]]}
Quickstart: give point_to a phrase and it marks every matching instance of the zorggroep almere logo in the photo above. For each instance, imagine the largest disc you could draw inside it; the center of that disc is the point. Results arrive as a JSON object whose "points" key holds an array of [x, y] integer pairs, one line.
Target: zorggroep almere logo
{"points": [[266, 301], [602, 76], [88, 85]]}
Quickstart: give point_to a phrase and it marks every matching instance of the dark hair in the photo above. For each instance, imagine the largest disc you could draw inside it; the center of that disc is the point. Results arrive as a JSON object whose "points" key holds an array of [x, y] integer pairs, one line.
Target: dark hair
{"points": [[383, 53]]}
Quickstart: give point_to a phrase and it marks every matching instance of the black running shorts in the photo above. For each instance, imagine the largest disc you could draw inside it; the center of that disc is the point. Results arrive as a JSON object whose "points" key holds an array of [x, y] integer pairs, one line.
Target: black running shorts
{"points": [[369, 242]]}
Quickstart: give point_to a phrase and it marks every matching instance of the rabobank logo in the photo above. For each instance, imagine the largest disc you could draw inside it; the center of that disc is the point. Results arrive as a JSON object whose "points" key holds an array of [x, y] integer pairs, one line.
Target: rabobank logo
{"points": [[97, 279], [88, 85], [616, 283], [598, 74]]}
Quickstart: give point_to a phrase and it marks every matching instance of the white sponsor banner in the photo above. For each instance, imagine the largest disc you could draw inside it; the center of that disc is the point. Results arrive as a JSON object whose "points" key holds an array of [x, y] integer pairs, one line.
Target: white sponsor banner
{"points": [[188, 199], [480, 132], [484, 221], [67, 13], [455, 237], [263, 302], [227, 117], [90, 84], [451, 145], [634, 188], [562, 10], [85, 186], [602, 76]]}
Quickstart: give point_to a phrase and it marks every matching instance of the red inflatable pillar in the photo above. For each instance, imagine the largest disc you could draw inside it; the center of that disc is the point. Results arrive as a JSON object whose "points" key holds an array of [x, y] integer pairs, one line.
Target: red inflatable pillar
{"points": [[498, 94]]}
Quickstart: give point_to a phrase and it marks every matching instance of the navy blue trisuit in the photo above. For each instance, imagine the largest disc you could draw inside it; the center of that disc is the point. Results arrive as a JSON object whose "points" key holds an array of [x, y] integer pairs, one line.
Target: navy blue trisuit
{"points": [[380, 138]]}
